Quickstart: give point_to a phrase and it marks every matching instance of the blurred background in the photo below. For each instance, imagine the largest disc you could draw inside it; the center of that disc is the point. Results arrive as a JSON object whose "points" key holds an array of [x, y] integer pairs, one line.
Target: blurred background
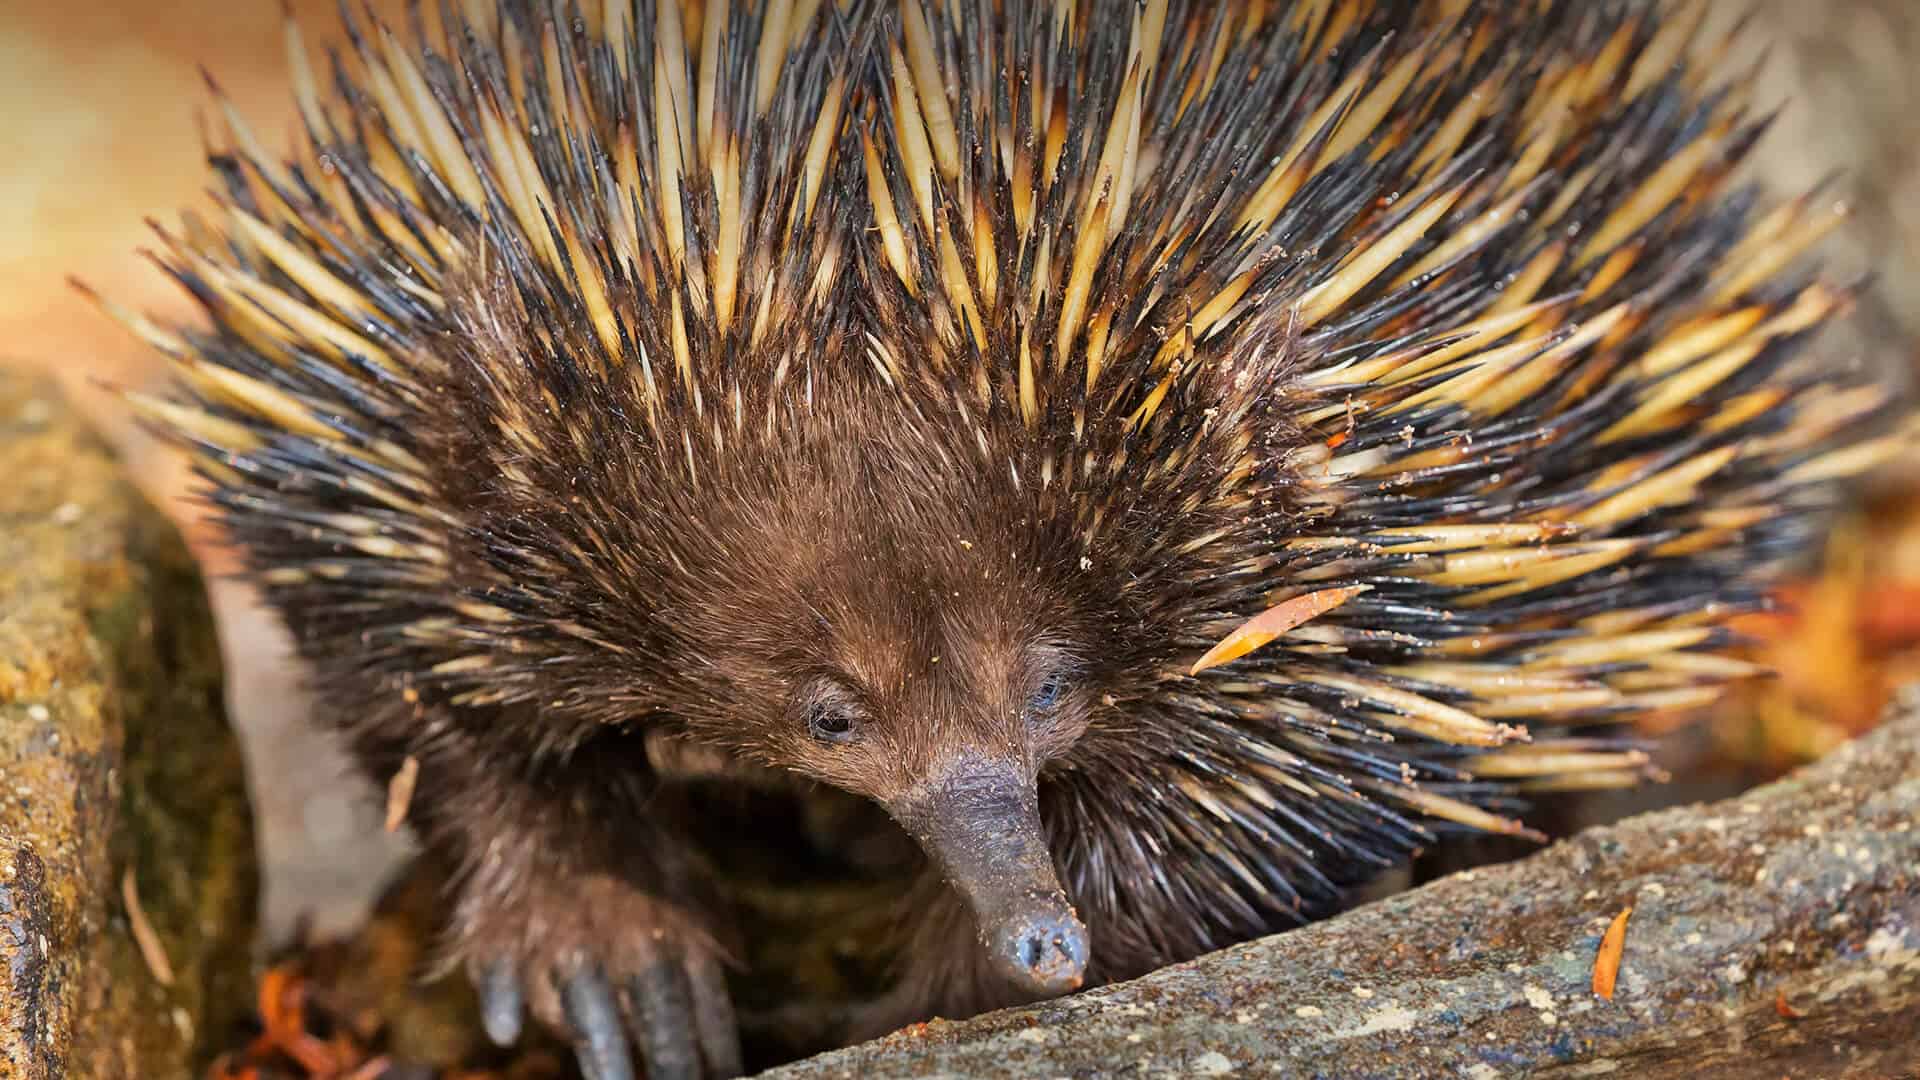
{"points": [[99, 105]]}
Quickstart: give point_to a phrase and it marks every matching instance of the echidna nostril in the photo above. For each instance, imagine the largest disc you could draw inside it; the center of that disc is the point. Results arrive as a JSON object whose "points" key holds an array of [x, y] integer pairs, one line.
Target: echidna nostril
{"points": [[1071, 948], [1034, 951]]}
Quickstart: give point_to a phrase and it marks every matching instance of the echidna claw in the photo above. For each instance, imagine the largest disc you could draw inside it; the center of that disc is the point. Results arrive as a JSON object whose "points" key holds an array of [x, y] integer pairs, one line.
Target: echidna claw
{"points": [[664, 1023], [675, 1013], [501, 1003], [594, 1015], [713, 1017]]}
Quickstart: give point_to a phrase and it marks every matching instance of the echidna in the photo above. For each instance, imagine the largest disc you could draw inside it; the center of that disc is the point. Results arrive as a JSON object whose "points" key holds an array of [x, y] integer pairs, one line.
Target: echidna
{"points": [[1176, 457]]}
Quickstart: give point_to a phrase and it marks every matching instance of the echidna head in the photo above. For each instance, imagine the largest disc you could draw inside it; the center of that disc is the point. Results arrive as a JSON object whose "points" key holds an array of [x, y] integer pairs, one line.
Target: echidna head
{"points": [[914, 637]]}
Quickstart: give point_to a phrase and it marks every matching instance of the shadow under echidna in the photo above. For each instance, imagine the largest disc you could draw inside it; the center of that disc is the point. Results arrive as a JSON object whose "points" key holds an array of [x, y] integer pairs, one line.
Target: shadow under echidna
{"points": [[1175, 459]]}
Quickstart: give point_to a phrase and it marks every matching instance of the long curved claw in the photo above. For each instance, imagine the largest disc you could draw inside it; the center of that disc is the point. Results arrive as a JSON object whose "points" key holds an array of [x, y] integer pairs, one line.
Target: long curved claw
{"points": [[664, 1023], [713, 1017], [594, 1015], [501, 1003], [650, 1006]]}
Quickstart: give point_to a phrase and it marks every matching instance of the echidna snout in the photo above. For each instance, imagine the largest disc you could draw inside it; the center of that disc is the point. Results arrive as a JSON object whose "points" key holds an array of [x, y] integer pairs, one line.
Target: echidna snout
{"points": [[979, 821], [1044, 950]]}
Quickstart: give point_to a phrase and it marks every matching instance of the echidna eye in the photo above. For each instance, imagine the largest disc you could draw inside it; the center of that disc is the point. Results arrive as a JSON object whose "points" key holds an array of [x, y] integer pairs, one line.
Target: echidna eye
{"points": [[1046, 697], [831, 723]]}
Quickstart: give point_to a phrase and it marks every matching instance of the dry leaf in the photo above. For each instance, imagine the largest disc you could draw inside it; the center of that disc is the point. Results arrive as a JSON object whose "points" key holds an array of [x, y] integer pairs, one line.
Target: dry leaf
{"points": [[1606, 966], [1273, 622]]}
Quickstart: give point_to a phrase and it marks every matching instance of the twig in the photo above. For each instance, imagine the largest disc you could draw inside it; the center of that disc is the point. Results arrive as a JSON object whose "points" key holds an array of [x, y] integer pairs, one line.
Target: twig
{"points": [[151, 951]]}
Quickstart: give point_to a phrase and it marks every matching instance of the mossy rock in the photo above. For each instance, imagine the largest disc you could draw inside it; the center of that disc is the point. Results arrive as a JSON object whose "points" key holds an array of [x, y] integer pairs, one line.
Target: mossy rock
{"points": [[119, 775]]}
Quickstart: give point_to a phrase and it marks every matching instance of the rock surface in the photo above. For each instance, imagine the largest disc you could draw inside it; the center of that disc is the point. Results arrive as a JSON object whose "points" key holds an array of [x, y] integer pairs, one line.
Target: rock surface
{"points": [[1775, 934], [121, 787]]}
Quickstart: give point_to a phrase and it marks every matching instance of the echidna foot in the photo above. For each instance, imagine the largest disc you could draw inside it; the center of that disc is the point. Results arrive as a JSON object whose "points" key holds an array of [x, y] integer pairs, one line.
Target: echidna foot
{"points": [[668, 1000]]}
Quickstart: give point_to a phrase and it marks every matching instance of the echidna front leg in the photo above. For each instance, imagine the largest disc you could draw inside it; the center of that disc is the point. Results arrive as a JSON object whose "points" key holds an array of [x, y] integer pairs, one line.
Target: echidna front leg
{"points": [[576, 903], [652, 978]]}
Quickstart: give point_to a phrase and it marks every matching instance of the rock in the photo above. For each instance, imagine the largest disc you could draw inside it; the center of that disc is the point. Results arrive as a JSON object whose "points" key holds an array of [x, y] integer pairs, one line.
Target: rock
{"points": [[121, 787], [1777, 933]]}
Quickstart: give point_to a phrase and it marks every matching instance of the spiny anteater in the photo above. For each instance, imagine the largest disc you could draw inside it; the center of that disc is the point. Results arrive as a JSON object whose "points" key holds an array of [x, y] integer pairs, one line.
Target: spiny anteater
{"points": [[1166, 454]]}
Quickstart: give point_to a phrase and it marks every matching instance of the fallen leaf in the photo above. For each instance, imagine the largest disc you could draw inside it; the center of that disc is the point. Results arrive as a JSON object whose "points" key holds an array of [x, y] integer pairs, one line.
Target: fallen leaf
{"points": [[1273, 622], [1606, 966]]}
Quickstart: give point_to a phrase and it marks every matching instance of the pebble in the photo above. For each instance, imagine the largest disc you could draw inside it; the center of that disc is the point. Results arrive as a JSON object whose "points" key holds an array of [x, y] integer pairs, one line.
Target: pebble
{"points": [[1212, 1063]]}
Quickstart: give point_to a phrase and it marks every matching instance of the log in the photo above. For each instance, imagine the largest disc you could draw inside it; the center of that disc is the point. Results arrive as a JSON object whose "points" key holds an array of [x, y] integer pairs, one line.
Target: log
{"points": [[1774, 934], [126, 851]]}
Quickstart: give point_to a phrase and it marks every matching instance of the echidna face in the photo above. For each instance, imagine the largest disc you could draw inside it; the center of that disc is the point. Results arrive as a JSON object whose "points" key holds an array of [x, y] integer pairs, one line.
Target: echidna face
{"points": [[945, 720], [879, 712], [934, 671]]}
